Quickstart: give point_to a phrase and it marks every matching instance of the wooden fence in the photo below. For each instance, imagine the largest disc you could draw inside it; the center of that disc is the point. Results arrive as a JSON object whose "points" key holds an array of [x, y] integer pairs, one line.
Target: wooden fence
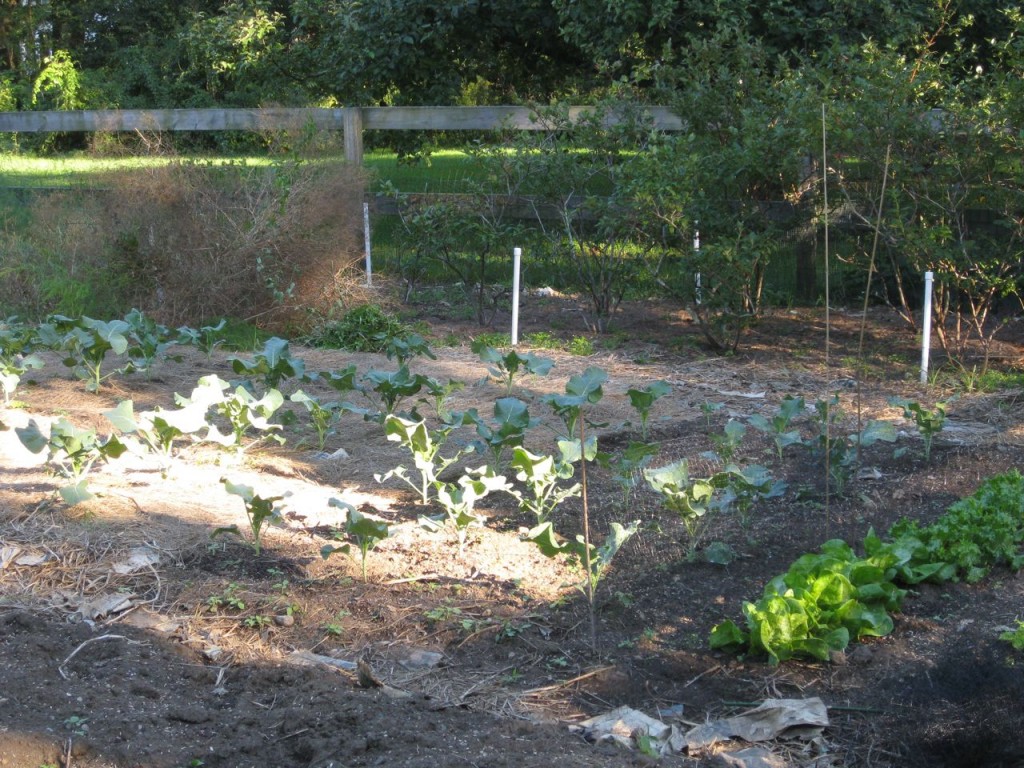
{"points": [[351, 120]]}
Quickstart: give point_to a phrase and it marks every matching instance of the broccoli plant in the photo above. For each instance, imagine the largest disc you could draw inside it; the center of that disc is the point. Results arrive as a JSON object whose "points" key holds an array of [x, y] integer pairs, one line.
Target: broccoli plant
{"points": [[85, 343], [16, 358], [459, 501], [273, 363], [643, 401], [425, 446], [778, 426], [544, 478], [261, 511], [365, 532], [690, 498], [929, 422], [505, 367], [508, 430], [72, 452]]}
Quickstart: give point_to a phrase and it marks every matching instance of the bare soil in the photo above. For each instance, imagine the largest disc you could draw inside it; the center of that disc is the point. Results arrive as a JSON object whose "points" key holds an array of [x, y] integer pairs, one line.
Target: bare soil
{"points": [[129, 637]]}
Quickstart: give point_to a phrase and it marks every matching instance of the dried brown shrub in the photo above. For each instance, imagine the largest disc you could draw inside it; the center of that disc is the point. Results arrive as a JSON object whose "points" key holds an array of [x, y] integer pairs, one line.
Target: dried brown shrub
{"points": [[190, 240]]}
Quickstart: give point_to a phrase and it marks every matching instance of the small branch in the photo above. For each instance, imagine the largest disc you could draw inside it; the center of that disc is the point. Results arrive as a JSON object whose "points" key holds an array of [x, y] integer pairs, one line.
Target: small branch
{"points": [[63, 664], [564, 683]]}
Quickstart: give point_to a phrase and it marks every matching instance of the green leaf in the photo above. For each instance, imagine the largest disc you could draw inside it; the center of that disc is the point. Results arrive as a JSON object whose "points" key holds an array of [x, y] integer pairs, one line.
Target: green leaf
{"points": [[77, 493]]}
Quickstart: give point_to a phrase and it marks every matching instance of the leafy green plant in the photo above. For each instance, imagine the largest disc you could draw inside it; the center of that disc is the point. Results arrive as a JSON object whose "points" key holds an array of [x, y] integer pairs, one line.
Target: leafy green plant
{"points": [[929, 422], [242, 410], [404, 347], [819, 605], [366, 328], [508, 430], [580, 391], [390, 388], [71, 452], [690, 498], [842, 451], [709, 409], [148, 341], [459, 501], [741, 487], [505, 367], [158, 429], [1015, 637], [778, 426], [594, 559], [260, 510], [15, 356], [227, 599], [206, 339], [626, 466], [322, 416], [729, 439], [643, 401], [85, 343], [273, 363], [425, 446], [544, 478], [976, 533], [365, 531]]}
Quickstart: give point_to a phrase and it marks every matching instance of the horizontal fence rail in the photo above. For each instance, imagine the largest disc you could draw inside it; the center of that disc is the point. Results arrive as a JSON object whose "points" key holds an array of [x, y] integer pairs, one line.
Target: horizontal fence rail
{"points": [[351, 120]]}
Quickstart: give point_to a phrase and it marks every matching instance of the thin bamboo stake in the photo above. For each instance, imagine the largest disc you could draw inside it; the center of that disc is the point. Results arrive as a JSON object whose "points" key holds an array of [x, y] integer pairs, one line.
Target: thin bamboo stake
{"points": [[828, 329], [867, 293], [586, 537]]}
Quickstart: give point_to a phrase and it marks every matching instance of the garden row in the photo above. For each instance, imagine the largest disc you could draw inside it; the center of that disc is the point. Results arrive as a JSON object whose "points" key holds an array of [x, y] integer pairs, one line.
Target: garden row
{"points": [[413, 410]]}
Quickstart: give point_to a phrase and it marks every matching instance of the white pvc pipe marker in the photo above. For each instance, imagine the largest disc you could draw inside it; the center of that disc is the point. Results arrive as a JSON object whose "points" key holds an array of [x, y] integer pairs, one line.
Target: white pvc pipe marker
{"points": [[926, 335], [366, 240], [517, 255]]}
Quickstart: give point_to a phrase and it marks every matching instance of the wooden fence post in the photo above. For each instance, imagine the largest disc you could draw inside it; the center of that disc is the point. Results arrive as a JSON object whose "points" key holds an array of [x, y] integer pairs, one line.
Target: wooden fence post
{"points": [[352, 125]]}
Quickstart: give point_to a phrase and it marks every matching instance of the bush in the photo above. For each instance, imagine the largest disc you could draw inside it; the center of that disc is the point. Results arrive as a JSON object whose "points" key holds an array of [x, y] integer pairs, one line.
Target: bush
{"points": [[187, 240]]}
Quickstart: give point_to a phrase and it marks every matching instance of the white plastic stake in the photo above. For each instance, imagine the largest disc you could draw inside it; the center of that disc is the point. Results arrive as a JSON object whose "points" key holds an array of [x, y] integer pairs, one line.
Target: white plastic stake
{"points": [[517, 256], [926, 336], [698, 292], [366, 240]]}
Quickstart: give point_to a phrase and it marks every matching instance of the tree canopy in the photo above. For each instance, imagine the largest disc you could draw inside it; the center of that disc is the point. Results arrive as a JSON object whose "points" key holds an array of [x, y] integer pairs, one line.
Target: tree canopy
{"points": [[68, 54]]}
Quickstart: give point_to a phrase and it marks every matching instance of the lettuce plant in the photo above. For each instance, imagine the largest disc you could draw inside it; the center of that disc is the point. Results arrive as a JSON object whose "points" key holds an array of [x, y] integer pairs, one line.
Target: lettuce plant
{"points": [[819, 605]]}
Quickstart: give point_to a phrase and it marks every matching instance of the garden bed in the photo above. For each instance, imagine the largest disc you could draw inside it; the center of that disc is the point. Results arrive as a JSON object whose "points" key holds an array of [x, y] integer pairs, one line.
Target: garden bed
{"points": [[131, 638]]}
